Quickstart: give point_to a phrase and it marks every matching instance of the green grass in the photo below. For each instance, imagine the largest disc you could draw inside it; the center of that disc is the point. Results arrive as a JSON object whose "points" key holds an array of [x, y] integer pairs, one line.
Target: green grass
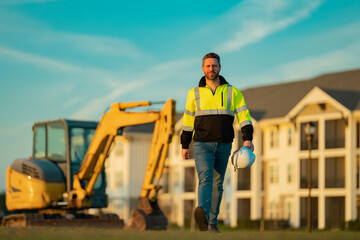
{"points": [[51, 233]]}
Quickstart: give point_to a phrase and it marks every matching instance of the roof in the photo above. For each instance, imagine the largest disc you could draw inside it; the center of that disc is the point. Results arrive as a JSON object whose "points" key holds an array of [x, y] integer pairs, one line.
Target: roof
{"points": [[275, 101]]}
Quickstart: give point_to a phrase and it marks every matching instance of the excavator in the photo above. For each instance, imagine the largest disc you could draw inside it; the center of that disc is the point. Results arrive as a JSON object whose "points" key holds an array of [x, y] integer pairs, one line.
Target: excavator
{"points": [[65, 176]]}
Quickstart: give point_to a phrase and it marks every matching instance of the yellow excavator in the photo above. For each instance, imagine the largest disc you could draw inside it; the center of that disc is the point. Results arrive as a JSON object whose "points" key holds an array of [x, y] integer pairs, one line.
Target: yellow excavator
{"points": [[65, 176]]}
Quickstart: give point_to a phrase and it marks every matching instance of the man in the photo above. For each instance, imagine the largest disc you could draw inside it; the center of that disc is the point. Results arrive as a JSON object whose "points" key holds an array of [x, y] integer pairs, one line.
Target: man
{"points": [[210, 111]]}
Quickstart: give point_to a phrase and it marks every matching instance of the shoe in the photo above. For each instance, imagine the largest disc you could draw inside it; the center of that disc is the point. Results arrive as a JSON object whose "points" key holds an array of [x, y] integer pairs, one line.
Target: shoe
{"points": [[201, 219], [213, 228]]}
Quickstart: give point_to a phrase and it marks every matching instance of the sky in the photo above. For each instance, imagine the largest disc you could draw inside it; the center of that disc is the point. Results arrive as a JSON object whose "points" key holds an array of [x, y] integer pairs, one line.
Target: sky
{"points": [[72, 59]]}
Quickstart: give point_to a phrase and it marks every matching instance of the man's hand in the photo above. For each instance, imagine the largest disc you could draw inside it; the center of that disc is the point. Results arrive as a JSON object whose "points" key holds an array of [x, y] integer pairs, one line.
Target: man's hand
{"points": [[249, 145], [185, 153]]}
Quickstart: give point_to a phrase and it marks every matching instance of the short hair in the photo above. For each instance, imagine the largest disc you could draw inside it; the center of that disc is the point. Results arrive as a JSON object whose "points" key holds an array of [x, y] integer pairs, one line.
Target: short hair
{"points": [[211, 55]]}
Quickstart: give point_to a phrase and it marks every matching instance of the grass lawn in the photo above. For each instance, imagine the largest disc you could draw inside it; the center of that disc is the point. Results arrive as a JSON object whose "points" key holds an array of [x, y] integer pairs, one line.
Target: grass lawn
{"points": [[65, 233]]}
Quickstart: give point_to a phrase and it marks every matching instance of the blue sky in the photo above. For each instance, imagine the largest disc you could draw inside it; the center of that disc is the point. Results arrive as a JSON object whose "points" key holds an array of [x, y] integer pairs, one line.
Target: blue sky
{"points": [[72, 59]]}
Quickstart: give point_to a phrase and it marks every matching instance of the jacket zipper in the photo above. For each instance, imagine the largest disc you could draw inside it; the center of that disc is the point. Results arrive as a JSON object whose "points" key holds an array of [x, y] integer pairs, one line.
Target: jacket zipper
{"points": [[222, 99]]}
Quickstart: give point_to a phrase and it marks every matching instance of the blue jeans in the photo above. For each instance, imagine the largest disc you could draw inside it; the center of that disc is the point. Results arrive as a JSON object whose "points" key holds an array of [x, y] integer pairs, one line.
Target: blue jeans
{"points": [[211, 160]]}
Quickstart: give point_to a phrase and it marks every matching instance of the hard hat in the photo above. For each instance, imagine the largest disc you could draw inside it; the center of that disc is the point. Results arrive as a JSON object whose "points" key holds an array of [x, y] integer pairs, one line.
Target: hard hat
{"points": [[242, 158]]}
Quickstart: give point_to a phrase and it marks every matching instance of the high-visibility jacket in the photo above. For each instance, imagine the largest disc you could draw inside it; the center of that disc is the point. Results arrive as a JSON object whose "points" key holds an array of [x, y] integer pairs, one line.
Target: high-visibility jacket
{"points": [[211, 115]]}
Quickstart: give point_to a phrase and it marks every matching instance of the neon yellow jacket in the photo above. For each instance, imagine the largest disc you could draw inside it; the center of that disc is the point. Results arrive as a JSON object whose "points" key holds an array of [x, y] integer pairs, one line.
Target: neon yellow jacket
{"points": [[211, 116]]}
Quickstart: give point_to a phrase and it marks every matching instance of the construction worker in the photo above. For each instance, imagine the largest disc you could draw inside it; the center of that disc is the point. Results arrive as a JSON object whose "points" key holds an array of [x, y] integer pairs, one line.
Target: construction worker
{"points": [[208, 119]]}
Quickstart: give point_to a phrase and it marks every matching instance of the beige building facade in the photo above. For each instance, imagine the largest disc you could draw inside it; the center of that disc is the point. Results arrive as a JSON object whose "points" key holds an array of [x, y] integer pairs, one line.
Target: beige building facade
{"points": [[125, 169]]}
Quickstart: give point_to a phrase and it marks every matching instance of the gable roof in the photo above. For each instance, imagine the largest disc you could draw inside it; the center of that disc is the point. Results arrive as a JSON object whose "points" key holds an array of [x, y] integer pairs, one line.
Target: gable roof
{"points": [[275, 101]]}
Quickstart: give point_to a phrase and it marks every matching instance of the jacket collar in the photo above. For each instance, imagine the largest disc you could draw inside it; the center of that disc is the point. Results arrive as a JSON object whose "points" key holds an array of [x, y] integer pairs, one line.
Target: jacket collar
{"points": [[202, 82]]}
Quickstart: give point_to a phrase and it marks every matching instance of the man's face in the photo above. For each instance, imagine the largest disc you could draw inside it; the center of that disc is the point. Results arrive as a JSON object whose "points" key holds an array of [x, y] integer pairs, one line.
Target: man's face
{"points": [[211, 68]]}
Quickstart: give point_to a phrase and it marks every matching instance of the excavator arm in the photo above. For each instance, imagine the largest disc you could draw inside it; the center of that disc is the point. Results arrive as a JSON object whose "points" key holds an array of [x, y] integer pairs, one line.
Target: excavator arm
{"points": [[116, 118]]}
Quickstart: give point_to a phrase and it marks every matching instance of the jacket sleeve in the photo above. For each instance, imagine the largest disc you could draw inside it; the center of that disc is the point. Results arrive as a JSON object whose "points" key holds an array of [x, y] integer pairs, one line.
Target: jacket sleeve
{"points": [[188, 120], [242, 114]]}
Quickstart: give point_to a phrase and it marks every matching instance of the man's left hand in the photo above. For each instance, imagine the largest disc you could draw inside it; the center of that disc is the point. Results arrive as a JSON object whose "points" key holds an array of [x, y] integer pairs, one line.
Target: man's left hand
{"points": [[249, 145]]}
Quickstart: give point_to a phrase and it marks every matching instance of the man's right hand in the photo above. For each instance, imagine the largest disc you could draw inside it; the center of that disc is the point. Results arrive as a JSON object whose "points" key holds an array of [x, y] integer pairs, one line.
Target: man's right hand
{"points": [[185, 153], [249, 145]]}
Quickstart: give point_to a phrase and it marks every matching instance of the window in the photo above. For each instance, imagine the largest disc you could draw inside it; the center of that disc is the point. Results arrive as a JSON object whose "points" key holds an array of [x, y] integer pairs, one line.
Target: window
{"points": [[189, 179], [289, 173], [273, 207], [357, 171], [303, 140], [80, 139], [304, 173], [335, 172], [334, 212], [274, 138], [274, 173], [272, 141], [314, 212], [119, 179], [244, 206], [56, 141], [263, 165], [358, 134], [243, 176], [289, 210], [165, 180], [335, 133], [289, 136], [40, 140]]}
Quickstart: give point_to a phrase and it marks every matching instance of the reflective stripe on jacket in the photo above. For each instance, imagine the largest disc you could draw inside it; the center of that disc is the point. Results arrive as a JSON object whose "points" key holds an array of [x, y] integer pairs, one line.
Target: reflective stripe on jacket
{"points": [[211, 115]]}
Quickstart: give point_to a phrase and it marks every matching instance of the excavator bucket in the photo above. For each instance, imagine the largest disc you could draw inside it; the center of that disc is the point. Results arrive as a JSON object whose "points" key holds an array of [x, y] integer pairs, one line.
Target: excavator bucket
{"points": [[148, 216]]}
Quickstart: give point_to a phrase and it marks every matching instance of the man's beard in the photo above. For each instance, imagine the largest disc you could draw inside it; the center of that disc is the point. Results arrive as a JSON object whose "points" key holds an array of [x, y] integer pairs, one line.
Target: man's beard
{"points": [[212, 77]]}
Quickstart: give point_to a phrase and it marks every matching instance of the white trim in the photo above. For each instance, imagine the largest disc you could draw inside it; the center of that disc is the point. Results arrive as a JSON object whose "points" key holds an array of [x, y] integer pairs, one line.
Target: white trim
{"points": [[315, 96]]}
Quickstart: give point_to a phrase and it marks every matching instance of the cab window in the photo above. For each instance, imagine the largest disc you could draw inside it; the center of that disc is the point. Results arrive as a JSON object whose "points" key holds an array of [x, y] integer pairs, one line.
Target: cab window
{"points": [[80, 139], [40, 141], [56, 142]]}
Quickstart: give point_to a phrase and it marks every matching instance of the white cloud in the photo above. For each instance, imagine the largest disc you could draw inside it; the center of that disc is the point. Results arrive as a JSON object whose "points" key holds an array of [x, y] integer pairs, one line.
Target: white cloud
{"points": [[98, 105], [168, 71], [37, 60], [103, 45], [54, 65], [252, 20], [70, 102], [37, 34]]}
